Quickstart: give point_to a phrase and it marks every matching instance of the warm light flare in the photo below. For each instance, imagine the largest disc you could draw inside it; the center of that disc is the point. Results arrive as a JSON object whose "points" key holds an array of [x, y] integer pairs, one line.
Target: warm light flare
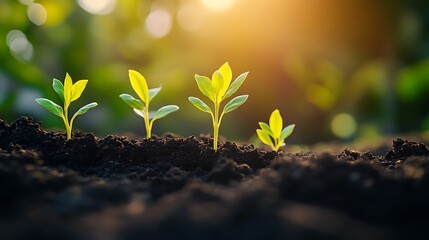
{"points": [[218, 5]]}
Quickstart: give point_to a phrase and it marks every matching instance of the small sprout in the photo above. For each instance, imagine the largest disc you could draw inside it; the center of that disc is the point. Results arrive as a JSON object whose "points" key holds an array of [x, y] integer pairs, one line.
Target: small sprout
{"points": [[272, 134], [68, 93], [141, 107], [218, 89]]}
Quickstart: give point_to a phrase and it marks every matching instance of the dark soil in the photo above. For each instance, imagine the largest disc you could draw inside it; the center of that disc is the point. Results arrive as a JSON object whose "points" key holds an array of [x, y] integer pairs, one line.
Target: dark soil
{"points": [[178, 188]]}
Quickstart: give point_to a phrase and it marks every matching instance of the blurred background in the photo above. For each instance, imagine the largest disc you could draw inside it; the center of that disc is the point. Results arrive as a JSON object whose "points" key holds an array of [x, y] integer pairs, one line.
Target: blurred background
{"points": [[340, 70]]}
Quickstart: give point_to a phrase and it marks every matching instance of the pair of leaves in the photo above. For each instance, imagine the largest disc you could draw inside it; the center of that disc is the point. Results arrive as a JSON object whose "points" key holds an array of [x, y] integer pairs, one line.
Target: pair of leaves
{"points": [[69, 92], [58, 110], [274, 134], [219, 88], [154, 115], [139, 84], [229, 107]]}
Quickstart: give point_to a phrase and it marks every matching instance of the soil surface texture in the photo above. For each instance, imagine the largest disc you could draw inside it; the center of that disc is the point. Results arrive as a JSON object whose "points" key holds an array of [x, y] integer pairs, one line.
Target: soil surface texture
{"points": [[178, 188]]}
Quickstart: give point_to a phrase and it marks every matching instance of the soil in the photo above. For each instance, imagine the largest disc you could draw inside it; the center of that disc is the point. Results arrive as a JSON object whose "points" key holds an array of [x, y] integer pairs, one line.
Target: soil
{"points": [[179, 188]]}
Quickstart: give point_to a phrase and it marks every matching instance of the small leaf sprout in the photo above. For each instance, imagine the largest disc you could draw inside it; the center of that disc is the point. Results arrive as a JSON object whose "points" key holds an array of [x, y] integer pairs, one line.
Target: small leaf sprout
{"points": [[218, 89], [141, 106], [274, 134], [68, 93]]}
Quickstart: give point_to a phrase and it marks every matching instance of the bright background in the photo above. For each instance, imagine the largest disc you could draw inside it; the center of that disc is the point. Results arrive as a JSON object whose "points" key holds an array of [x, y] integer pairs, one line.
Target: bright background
{"points": [[340, 70]]}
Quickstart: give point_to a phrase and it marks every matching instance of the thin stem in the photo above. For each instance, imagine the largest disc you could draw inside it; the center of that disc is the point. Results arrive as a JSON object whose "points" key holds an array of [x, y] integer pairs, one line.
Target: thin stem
{"points": [[66, 122], [146, 122], [216, 125]]}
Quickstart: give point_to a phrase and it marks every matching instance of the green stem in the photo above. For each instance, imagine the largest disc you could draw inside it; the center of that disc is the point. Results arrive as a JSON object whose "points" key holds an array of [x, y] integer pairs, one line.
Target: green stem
{"points": [[147, 123], [66, 122], [216, 126]]}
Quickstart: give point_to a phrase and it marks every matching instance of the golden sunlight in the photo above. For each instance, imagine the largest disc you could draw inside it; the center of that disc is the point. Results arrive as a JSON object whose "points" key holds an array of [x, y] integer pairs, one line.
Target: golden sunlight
{"points": [[218, 5]]}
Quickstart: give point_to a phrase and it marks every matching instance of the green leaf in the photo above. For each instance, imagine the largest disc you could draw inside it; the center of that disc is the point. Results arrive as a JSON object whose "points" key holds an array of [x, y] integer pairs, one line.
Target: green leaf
{"points": [[68, 85], [164, 111], [287, 131], [59, 88], [205, 86], [235, 85], [77, 89], [139, 84], [264, 137], [130, 100], [276, 123], [200, 104], [226, 72], [266, 128], [217, 83], [50, 106], [85, 109], [234, 103], [153, 92], [142, 114]]}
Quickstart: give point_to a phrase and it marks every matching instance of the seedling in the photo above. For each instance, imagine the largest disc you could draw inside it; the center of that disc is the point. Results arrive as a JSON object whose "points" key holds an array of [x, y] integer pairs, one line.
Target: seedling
{"points": [[218, 89], [68, 93], [272, 134], [141, 107]]}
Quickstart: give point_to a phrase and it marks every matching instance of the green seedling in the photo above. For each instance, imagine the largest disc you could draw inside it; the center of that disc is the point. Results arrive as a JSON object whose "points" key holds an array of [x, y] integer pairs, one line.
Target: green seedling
{"points": [[218, 89], [274, 135], [68, 93], [141, 107]]}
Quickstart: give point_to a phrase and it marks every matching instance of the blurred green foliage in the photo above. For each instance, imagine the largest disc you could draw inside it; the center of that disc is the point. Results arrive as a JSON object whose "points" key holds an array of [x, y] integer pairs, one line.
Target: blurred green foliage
{"points": [[314, 60]]}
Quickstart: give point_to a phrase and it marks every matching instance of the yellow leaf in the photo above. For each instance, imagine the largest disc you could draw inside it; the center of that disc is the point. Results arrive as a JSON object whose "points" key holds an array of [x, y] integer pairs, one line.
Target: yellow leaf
{"points": [[138, 82], [264, 137], [77, 89], [217, 83], [68, 85], [276, 123], [226, 72]]}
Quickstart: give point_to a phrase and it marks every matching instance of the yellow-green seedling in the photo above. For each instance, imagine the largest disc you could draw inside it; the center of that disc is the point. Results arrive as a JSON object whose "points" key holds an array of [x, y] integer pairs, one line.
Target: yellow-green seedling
{"points": [[274, 134], [141, 106], [68, 93], [218, 89]]}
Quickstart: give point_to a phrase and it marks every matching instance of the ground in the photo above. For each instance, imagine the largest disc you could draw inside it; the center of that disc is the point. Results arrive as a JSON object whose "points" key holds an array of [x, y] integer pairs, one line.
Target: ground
{"points": [[179, 188]]}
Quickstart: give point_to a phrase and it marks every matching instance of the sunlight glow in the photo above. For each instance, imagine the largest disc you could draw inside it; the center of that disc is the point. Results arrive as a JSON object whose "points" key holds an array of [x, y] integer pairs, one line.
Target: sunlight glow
{"points": [[37, 14], [189, 17], [343, 125], [218, 5], [159, 23], [100, 7]]}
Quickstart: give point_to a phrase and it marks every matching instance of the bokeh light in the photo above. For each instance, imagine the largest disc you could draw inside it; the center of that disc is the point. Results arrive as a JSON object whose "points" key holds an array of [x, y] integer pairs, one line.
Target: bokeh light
{"points": [[37, 14], [343, 125], [19, 46], [159, 23], [100, 7]]}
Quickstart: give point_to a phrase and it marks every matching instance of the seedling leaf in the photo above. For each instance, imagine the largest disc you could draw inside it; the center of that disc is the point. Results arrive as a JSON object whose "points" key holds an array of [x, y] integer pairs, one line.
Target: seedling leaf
{"points": [[287, 131], [50, 106], [276, 123], [77, 89], [200, 104], [59, 88], [264, 137], [235, 103], [164, 111], [266, 128], [236, 85], [85, 108], [153, 92], [139, 84], [226, 72], [205, 86], [130, 100]]}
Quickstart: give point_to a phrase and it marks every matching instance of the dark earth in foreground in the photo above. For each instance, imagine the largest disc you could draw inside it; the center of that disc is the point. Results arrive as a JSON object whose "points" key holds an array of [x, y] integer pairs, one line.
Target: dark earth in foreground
{"points": [[178, 188]]}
